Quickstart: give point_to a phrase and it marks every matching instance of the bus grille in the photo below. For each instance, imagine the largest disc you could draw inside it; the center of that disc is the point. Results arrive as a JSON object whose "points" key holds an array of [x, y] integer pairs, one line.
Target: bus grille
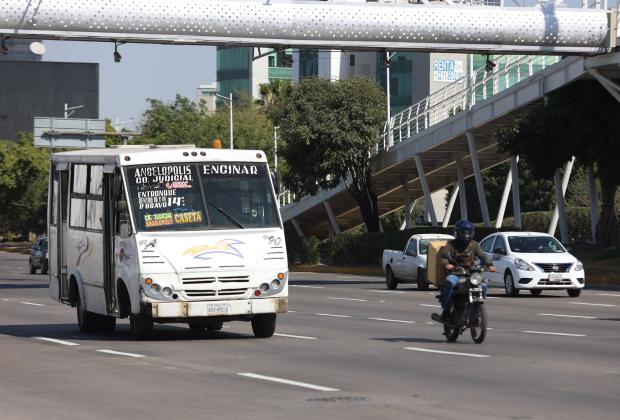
{"points": [[217, 286]]}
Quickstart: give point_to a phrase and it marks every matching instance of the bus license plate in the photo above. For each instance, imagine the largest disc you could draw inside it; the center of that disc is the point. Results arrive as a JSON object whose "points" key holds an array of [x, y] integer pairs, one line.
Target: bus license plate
{"points": [[218, 309], [555, 277]]}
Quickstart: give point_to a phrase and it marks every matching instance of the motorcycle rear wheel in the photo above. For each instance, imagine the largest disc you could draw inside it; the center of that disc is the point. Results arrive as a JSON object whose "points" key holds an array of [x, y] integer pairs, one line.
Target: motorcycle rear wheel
{"points": [[451, 333], [478, 323]]}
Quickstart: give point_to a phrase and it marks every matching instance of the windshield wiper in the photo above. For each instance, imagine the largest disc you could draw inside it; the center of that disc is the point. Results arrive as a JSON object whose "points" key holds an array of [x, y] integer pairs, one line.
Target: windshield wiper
{"points": [[228, 216]]}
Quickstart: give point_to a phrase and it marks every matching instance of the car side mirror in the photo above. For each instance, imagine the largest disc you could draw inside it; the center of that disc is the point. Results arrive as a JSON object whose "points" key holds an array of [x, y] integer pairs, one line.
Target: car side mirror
{"points": [[275, 179], [499, 251]]}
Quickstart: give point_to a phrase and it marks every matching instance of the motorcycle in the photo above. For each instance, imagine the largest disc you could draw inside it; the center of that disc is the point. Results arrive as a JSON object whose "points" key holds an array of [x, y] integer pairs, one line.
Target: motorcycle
{"points": [[467, 309]]}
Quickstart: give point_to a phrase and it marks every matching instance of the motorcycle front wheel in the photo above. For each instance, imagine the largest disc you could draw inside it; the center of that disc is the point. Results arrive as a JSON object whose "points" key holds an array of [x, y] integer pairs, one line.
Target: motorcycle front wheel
{"points": [[451, 333], [478, 323]]}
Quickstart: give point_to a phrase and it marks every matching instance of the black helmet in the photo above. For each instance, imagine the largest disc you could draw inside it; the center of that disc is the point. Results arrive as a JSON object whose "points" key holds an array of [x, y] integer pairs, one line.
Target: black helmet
{"points": [[464, 231]]}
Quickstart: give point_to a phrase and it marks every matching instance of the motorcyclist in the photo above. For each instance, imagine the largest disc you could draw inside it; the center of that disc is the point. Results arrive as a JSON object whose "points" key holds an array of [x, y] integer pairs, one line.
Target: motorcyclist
{"points": [[461, 251]]}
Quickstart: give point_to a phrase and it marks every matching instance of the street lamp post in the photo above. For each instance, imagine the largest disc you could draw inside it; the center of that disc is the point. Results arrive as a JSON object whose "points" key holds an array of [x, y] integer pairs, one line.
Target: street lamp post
{"points": [[72, 109], [388, 57], [230, 108], [117, 127], [275, 148]]}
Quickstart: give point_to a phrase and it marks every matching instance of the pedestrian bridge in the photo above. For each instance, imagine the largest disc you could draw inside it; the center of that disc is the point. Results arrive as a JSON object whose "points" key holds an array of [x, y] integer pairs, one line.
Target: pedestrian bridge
{"points": [[448, 137]]}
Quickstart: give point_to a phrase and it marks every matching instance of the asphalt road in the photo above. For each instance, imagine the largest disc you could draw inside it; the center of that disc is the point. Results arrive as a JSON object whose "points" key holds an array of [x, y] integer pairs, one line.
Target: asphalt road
{"points": [[349, 349]]}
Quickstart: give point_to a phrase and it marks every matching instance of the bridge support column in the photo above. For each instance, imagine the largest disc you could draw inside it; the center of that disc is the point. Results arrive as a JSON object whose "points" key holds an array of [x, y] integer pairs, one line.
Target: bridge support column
{"points": [[559, 213], [428, 201], [471, 141], [332, 219], [504, 201], [593, 201], [462, 193], [516, 198], [408, 208], [446, 217], [402, 225], [297, 227]]}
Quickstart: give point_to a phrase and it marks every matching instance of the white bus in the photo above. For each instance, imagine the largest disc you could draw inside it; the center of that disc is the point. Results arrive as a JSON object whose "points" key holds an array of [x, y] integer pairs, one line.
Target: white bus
{"points": [[166, 234]]}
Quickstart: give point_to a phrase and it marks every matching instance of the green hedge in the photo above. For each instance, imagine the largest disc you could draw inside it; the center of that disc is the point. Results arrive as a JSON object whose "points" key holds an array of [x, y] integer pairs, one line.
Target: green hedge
{"points": [[304, 251], [367, 248]]}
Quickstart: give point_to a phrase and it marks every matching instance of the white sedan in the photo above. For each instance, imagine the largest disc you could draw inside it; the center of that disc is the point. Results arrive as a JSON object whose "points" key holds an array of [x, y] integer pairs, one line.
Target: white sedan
{"points": [[532, 261]]}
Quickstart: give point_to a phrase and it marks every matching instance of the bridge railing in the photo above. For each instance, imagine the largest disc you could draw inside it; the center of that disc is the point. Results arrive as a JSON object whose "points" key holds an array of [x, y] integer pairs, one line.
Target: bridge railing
{"points": [[461, 95]]}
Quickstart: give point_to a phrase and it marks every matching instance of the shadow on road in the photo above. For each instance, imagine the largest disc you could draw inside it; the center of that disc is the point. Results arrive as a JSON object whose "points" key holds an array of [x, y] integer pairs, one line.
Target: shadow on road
{"points": [[23, 286], [528, 296], [121, 333], [409, 340]]}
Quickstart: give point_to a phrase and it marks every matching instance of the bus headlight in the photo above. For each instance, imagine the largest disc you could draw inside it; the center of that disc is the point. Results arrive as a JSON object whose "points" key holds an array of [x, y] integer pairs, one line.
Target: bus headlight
{"points": [[275, 283], [155, 287], [264, 287], [475, 279], [167, 292]]}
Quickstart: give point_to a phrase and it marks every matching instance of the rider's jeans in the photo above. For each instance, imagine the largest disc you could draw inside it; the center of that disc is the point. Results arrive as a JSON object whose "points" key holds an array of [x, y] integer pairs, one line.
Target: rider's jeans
{"points": [[448, 290]]}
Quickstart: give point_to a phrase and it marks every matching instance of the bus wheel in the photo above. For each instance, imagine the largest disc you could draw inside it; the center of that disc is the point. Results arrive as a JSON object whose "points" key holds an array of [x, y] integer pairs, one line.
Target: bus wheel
{"points": [[197, 328], [87, 321], [141, 324], [264, 325], [215, 325], [107, 324]]}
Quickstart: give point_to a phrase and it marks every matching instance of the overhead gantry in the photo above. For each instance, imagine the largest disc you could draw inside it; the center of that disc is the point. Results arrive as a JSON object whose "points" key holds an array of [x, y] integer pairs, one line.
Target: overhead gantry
{"points": [[543, 29]]}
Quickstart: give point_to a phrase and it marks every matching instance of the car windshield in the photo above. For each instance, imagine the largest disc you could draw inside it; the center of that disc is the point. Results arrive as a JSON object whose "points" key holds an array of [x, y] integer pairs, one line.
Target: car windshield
{"points": [[185, 196], [535, 244]]}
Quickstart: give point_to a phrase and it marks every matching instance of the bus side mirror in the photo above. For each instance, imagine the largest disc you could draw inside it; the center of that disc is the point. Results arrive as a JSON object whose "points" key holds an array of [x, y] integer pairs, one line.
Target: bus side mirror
{"points": [[117, 187], [275, 179], [125, 230]]}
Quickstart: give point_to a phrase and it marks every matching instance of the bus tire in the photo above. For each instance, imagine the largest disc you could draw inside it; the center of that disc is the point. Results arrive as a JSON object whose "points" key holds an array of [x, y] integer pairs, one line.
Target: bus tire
{"points": [[214, 325], [264, 325], [141, 324], [87, 321], [197, 328]]}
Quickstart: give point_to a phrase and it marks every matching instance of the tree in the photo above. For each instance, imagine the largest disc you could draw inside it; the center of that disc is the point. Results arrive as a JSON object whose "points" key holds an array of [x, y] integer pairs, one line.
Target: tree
{"points": [[274, 90], [330, 130], [574, 122], [23, 186]]}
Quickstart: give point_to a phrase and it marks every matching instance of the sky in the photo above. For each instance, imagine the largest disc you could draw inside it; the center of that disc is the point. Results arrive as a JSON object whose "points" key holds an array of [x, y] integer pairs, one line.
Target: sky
{"points": [[145, 71]]}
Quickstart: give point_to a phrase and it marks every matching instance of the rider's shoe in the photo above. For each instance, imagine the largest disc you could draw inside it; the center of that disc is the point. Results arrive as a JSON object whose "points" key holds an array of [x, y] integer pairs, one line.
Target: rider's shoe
{"points": [[445, 316]]}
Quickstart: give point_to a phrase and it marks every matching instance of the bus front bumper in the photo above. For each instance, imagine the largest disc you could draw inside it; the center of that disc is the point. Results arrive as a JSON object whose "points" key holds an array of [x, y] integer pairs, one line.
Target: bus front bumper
{"points": [[219, 308]]}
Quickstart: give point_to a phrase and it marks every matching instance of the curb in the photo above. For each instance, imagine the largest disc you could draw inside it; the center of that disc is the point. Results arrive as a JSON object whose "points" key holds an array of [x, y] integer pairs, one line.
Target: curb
{"points": [[591, 279]]}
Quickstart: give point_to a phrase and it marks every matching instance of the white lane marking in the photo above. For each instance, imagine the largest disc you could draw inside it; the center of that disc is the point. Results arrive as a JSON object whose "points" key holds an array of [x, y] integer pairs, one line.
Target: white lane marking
{"points": [[33, 304], [392, 320], [429, 306], [608, 294], [452, 353], [308, 287], [381, 301], [569, 316], [431, 323], [334, 315], [303, 337], [120, 353], [292, 311], [54, 340], [591, 304], [287, 382], [386, 291], [555, 333], [492, 297], [341, 298]]}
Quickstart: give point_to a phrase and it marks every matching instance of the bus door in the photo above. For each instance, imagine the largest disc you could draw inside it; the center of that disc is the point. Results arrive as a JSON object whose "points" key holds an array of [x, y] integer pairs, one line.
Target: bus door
{"points": [[111, 180], [62, 175]]}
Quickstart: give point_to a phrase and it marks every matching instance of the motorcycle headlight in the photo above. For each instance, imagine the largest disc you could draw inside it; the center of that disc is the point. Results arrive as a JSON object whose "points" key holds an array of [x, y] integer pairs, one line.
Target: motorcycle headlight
{"points": [[475, 279], [579, 266], [522, 265]]}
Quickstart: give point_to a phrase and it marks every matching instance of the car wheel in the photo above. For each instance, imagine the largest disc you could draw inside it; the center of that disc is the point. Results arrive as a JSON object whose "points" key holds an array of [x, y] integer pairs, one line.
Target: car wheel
{"points": [[536, 292], [107, 324], [509, 286], [88, 322], [264, 325], [390, 280], [422, 280], [573, 292], [141, 324]]}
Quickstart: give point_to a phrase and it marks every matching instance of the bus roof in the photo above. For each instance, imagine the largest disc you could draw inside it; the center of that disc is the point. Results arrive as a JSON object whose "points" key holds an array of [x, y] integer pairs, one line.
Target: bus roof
{"points": [[144, 155]]}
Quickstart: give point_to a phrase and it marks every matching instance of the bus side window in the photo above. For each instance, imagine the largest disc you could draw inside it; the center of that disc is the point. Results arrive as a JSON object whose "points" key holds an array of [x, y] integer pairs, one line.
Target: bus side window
{"points": [[64, 190], [123, 224]]}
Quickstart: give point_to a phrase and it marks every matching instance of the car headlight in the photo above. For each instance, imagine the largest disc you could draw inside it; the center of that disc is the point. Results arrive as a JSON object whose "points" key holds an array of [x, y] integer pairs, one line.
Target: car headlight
{"points": [[579, 266], [522, 265], [475, 279]]}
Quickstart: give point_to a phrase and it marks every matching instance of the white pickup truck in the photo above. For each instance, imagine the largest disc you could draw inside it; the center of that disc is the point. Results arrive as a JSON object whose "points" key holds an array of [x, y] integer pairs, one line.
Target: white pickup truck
{"points": [[409, 265]]}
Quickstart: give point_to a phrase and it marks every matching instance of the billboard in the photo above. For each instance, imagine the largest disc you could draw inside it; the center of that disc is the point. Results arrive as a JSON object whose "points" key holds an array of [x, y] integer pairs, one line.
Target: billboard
{"points": [[447, 70]]}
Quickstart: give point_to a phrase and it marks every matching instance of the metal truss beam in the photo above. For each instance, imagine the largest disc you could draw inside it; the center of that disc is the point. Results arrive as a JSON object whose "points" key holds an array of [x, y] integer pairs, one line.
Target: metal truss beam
{"points": [[539, 30]]}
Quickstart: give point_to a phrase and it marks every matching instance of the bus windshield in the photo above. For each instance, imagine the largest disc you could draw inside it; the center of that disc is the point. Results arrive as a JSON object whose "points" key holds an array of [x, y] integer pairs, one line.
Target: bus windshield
{"points": [[207, 195]]}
